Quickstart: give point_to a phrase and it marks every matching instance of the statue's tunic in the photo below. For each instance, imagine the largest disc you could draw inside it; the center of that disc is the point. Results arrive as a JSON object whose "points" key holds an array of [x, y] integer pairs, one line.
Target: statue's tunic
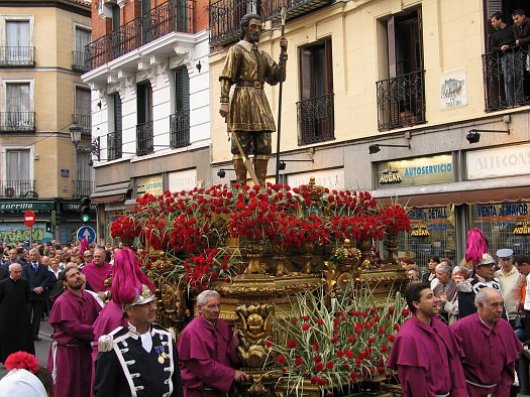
{"points": [[248, 68]]}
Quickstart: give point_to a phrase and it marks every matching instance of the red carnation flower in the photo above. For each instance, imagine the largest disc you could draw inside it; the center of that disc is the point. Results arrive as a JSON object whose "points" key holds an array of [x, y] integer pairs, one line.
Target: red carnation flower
{"points": [[305, 327], [291, 344], [280, 359]]}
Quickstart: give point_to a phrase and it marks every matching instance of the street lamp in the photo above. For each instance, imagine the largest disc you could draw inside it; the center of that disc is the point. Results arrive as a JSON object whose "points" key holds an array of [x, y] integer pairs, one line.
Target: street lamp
{"points": [[75, 135]]}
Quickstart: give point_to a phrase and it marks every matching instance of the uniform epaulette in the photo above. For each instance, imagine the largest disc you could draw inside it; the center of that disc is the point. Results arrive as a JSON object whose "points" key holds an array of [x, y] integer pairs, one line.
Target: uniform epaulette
{"points": [[106, 342]]}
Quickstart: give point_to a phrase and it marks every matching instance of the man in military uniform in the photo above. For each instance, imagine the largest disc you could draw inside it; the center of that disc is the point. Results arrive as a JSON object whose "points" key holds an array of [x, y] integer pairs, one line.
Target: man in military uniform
{"points": [[140, 359], [248, 115]]}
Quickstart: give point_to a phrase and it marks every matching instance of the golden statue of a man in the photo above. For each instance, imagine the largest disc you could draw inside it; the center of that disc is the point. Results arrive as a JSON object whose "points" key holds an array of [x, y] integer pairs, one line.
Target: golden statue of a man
{"points": [[248, 113]]}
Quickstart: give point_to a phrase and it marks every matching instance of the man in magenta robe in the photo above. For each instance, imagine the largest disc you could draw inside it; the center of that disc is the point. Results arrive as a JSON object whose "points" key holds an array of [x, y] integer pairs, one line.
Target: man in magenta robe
{"points": [[96, 272], [490, 347], [72, 317], [207, 349], [425, 353]]}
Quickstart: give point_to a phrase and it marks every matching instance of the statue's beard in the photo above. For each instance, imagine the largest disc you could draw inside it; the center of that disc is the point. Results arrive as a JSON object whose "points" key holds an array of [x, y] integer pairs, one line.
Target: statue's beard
{"points": [[253, 36]]}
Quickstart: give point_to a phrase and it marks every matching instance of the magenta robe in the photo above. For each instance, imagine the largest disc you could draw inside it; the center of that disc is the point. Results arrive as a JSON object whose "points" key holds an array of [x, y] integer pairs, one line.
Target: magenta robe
{"points": [[96, 275], [110, 318], [427, 359], [206, 355], [72, 318], [490, 354]]}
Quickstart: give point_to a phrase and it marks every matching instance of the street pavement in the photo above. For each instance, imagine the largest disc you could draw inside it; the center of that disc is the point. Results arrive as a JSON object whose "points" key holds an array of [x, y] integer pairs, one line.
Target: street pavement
{"points": [[41, 347]]}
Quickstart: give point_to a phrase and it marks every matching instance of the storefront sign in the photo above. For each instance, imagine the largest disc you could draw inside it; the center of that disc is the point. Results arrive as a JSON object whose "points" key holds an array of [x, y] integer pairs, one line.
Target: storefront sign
{"points": [[150, 184], [182, 180], [501, 211], [21, 206], [502, 161], [420, 230], [522, 228], [418, 171], [332, 179], [453, 90]]}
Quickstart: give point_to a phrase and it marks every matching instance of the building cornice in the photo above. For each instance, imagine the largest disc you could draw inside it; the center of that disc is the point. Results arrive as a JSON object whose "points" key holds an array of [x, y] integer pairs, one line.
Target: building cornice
{"points": [[76, 6]]}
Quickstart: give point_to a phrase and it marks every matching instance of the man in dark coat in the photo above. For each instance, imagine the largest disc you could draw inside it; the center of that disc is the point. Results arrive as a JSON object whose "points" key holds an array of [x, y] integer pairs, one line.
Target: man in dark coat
{"points": [[15, 326], [37, 275]]}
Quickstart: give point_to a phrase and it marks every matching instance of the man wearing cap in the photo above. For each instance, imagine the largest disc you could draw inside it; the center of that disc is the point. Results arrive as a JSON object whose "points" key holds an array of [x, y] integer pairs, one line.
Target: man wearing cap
{"points": [[72, 317], [207, 350], [510, 281], [139, 359], [489, 345], [484, 277]]}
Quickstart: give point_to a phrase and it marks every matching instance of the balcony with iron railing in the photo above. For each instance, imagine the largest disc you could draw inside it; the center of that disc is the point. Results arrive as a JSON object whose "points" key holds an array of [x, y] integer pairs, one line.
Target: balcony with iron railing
{"points": [[504, 80], [17, 56], [401, 101], [225, 15], [83, 120], [114, 145], [83, 188], [315, 120], [144, 138], [79, 61], [17, 122], [17, 189], [171, 16], [179, 129]]}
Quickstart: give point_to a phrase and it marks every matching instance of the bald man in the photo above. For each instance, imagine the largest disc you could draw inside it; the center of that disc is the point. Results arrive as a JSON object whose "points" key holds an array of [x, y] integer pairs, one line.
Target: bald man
{"points": [[489, 345]]}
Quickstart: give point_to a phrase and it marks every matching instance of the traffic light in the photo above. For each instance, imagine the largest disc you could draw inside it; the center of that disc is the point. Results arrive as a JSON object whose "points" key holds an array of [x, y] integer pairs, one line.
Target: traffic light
{"points": [[48, 227], [84, 209]]}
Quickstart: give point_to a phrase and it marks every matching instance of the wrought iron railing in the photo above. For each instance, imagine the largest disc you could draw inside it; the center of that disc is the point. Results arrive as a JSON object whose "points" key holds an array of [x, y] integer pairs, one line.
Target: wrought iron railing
{"points": [[79, 61], [401, 101], [315, 120], [17, 121], [114, 145], [171, 16], [17, 56], [225, 15], [504, 80], [144, 138], [17, 188], [83, 188], [179, 129], [83, 120]]}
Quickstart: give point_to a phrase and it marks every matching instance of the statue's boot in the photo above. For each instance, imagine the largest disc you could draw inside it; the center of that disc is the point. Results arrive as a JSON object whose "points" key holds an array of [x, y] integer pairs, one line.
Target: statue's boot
{"points": [[260, 167], [241, 170]]}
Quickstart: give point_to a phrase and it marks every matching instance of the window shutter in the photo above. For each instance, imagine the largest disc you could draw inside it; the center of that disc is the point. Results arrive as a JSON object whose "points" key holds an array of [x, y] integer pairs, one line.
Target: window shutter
{"points": [[117, 111], [305, 73], [182, 89]]}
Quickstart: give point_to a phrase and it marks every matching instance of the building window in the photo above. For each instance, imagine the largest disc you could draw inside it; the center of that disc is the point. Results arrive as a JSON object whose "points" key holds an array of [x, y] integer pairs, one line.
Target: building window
{"points": [[18, 115], [114, 138], [401, 97], [82, 115], [18, 50], [83, 179], [179, 121], [18, 182], [144, 114], [81, 40], [315, 109]]}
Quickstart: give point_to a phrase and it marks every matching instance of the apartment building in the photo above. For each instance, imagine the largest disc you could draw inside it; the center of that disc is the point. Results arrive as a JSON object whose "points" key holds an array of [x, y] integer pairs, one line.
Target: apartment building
{"points": [[42, 98], [402, 98], [149, 74]]}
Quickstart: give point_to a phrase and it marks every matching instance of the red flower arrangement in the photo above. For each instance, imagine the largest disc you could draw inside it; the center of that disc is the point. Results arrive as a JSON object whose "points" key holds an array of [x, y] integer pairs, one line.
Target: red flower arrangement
{"points": [[22, 360], [360, 227], [125, 227], [334, 345], [395, 219]]}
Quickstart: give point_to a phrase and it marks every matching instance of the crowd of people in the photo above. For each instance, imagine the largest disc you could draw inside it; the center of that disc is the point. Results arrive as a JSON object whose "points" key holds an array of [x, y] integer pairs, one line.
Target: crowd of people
{"points": [[105, 343], [467, 335]]}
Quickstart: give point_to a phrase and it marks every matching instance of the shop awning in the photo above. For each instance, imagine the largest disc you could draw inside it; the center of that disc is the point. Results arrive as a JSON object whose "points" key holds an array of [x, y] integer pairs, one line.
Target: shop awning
{"points": [[111, 193], [468, 192]]}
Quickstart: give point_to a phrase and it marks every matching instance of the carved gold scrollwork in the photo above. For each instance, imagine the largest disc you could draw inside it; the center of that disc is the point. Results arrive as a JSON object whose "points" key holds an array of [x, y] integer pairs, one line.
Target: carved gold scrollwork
{"points": [[256, 325]]}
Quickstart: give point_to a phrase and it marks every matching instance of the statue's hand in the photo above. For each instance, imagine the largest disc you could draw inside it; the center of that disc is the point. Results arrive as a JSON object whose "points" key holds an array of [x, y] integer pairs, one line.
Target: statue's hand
{"points": [[283, 44], [223, 110]]}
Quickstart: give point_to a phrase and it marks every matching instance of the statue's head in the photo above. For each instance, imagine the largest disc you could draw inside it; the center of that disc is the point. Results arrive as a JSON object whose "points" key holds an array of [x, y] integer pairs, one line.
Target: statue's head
{"points": [[253, 33]]}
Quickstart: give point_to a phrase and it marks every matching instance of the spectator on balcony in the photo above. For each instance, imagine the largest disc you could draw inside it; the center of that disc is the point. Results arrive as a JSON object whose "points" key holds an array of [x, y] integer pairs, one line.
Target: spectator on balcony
{"points": [[249, 115], [521, 29], [502, 43]]}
